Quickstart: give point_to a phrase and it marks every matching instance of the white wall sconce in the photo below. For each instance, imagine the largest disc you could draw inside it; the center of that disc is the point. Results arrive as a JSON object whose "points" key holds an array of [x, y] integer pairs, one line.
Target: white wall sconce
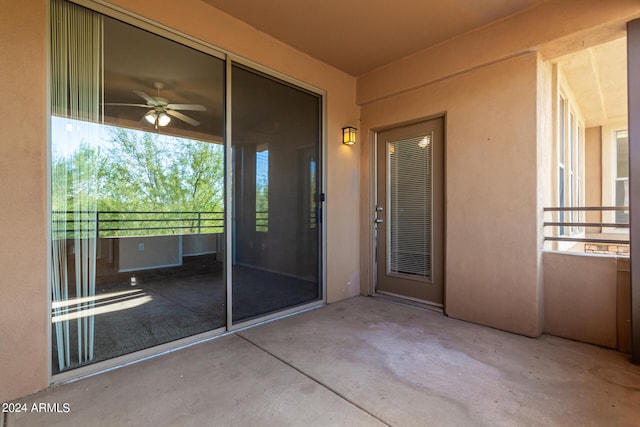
{"points": [[349, 135]]}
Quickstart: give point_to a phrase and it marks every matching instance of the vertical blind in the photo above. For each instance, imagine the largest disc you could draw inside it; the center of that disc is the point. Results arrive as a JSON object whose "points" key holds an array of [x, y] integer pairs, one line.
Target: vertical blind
{"points": [[409, 193], [76, 103]]}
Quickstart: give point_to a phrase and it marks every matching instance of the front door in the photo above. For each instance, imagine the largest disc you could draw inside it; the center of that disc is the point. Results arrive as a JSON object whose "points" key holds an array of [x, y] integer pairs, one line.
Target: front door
{"points": [[410, 211]]}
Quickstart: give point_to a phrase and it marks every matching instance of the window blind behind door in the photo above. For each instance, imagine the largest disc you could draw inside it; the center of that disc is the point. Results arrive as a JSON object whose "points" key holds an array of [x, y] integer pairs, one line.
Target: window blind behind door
{"points": [[409, 195]]}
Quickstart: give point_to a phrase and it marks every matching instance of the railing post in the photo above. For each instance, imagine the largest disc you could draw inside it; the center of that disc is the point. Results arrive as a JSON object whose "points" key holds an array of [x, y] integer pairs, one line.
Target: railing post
{"points": [[633, 76], [199, 225]]}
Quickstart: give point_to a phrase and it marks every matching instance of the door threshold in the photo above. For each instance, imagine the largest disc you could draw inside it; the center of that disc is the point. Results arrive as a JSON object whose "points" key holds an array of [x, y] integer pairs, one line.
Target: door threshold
{"points": [[103, 366], [413, 302]]}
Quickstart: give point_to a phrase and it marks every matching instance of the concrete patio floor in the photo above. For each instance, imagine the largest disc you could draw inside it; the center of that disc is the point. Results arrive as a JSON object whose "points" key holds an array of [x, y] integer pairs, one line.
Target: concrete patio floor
{"points": [[358, 362]]}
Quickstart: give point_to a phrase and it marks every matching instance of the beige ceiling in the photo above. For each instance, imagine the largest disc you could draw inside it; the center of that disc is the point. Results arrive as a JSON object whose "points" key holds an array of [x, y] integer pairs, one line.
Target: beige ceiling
{"points": [[597, 77], [357, 36], [384, 32]]}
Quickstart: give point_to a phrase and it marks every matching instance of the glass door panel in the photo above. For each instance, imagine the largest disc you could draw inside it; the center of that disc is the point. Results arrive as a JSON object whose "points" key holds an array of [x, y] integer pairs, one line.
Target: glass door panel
{"points": [[137, 189], [410, 211], [276, 153], [409, 207]]}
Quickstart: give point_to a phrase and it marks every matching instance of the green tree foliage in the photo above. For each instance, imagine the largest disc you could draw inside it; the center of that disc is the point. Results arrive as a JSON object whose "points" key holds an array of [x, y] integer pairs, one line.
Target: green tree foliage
{"points": [[146, 172], [262, 190], [136, 172], [76, 182], [77, 178]]}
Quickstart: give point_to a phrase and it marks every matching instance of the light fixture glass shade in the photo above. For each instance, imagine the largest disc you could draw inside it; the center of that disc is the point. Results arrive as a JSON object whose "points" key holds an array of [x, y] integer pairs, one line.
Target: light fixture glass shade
{"points": [[151, 117], [349, 135], [163, 119]]}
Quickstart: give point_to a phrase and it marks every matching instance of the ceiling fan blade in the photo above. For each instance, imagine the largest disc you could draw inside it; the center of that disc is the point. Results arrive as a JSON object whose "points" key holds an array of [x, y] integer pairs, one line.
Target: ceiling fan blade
{"points": [[126, 105], [146, 97], [190, 107], [182, 117]]}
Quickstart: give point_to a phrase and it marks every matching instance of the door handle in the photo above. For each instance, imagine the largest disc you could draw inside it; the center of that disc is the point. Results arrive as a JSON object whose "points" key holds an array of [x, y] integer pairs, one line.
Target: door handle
{"points": [[379, 220]]}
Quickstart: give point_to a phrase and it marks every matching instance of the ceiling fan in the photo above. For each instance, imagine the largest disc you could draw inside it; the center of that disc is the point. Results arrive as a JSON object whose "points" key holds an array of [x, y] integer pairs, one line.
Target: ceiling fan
{"points": [[161, 111]]}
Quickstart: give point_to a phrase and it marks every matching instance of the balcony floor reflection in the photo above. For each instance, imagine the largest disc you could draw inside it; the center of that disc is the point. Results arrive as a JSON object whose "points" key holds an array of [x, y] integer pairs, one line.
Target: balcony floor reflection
{"points": [[166, 304]]}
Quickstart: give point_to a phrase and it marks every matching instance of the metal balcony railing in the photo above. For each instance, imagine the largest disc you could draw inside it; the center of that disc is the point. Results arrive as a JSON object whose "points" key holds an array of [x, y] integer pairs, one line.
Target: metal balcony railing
{"points": [[105, 224], [578, 230]]}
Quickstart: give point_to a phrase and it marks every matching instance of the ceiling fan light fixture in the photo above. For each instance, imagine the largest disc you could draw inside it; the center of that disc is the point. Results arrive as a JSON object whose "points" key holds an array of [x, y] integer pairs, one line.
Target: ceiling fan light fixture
{"points": [[151, 117], [160, 111], [163, 119]]}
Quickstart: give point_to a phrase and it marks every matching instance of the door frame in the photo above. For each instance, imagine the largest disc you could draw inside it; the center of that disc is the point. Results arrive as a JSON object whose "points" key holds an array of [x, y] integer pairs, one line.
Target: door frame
{"points": [[229, 58], [371, 214]]}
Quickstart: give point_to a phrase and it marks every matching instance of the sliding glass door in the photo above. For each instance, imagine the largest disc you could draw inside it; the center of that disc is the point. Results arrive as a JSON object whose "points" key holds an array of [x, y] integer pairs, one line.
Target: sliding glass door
{"points": [[140, 155], [276, 170], [137, 189]]}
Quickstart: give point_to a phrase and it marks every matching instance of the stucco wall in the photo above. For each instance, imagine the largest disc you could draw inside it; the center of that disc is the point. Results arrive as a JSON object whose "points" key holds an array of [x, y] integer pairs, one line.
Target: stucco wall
{"points": [[546, 122], [23, 253], [499, 174], [554, 28], [147, 252], [491, 161], [580, 297], [24, 319]]}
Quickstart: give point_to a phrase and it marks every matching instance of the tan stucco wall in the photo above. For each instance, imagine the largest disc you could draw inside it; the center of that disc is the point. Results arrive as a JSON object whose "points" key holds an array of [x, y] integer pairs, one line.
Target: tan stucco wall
{"points": [[485, 81], [555, 28], [156, 251], [491, 160], [23, 250], [580, 297], [23, 216], [545, 143]]}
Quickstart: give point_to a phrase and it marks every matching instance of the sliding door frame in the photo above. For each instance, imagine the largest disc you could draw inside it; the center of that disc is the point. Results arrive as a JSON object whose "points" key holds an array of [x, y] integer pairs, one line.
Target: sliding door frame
{"points": [[164, 31], [229, 200]]}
